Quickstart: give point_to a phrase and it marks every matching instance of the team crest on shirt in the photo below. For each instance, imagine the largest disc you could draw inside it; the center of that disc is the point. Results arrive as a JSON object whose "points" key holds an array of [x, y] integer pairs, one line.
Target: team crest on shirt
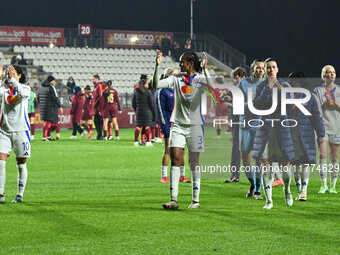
{"points": [[187, 89], [12, 97]]}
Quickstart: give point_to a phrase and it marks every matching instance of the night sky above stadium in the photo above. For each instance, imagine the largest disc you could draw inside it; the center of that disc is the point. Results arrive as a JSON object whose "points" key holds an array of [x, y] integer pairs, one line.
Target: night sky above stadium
{"points": [[302, 34]]}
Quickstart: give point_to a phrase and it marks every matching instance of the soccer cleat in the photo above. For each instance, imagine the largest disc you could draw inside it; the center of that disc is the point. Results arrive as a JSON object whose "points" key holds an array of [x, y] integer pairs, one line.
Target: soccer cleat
{"points": [[298, 196], [172, 205], [303, 195], [117, 138], [136, 144], [183, 179], [73, 137], [194, 205], [149, 144], [257, 196], [50, 138], [333, 191], [158, 140], [32, 137], [2, 199], [289, 199], [268, 206], [277, 182], [110, 138], [17, 199], [45, 139], [250, 193], [57, 137], [234, 179], [323, 190], [90, 134], [83, 134], [105, 138], [165, 180]]}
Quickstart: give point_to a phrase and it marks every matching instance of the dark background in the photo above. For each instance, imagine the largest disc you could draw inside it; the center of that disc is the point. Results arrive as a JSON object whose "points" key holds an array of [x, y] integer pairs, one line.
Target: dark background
{"points": [[301, 34]]}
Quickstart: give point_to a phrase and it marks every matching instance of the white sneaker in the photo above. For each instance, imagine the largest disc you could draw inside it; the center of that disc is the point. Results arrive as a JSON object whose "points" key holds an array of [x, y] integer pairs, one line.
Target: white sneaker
{"points": [[303, 195], [158, 140], [104, 138], [73, 137], [84, 134], [289, 199], [136, 144], [194, 205], [117, 138], [110, 137], [148, 144], [172, 205], [268, 206], [32, 137]]}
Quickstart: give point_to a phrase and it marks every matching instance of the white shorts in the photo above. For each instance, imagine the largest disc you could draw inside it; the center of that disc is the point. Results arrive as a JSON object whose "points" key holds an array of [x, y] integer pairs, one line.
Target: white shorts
{"points": [[190, 135], [265, 154], [334, 139], [18, 141]]}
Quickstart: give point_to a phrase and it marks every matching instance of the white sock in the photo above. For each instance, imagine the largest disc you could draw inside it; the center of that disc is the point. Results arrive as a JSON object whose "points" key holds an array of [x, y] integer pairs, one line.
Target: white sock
{"points": [[286, 177], [267, 185], [305, 178], [323, 171], [334, 174], [196, 185], [22, 178], [2, 176], [297, 177], [164, 171], [182, 169], [174, 180]]}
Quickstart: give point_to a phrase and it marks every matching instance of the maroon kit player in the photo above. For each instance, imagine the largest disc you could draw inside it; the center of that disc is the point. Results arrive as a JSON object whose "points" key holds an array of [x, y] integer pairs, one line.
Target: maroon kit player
{"points": [[109, 110], [86, 120]]}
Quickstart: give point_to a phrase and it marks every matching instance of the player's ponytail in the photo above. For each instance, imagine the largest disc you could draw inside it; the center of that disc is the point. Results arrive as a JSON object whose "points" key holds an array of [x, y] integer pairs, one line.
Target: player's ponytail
{"points": [[19, 71]]}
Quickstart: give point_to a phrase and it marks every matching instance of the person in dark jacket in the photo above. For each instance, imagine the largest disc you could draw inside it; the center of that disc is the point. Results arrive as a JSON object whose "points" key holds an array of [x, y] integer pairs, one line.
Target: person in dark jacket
{"points": [[303, 135], [143, 104], [97, 105], [273, 141], [70, 85], [76, 112], [49, 104]]}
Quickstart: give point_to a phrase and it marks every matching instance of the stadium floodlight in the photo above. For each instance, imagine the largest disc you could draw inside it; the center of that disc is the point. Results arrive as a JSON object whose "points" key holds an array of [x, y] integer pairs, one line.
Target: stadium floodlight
{"points": [[134, 39], [51, 45], [192, 19]]}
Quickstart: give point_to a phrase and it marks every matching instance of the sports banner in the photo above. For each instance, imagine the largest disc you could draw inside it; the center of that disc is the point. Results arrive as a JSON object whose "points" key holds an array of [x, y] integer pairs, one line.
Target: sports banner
{"points": [[31, 35], [141, 39]]}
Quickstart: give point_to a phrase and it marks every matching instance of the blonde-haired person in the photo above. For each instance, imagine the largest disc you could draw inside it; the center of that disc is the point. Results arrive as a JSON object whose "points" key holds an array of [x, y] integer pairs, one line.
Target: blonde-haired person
{"points": [[164, 102], [328, 96]]}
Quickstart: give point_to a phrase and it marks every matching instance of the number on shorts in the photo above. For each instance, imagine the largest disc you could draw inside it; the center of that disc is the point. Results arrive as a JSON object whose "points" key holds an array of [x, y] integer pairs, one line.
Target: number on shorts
{"points": [[26, 146], [200, 139]]}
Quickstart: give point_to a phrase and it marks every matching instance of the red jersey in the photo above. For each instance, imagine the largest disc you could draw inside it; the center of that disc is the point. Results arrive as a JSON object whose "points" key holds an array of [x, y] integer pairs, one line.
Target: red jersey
{"points": [[111, 98], [88, 102]]}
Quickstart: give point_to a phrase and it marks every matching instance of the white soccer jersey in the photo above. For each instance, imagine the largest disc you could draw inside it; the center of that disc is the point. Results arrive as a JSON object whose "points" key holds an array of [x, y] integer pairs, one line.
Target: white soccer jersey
{"points": [[331, 116], [14, 107], [188, 92]]}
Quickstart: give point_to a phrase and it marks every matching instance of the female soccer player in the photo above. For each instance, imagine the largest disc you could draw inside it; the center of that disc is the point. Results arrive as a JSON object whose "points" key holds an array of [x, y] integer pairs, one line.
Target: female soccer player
{"points": [[328, 96], [14, 127], [187, 127]]}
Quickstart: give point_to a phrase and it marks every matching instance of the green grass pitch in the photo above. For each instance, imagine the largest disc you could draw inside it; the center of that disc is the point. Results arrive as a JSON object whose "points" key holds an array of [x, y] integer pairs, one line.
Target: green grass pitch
{"points": [[104, 197]]}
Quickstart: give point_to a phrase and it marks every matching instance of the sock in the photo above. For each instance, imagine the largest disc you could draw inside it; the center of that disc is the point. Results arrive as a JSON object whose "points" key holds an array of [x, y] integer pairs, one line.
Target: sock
{"points": [[182, 170], [32, 129], [267, 185], [297, 177], [305, 178], [105, 133], [334, 174], [286, 177], [323, 171], [2, 176], [153, 133], [57, 128], [196, 185], [116, 133], [250, 175], [22, 178], [90, 127], [86, 127], [174, 180], [147, 133], [45, 129], [218, 131], [258, 180], [137, 130], [164, 171]]}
